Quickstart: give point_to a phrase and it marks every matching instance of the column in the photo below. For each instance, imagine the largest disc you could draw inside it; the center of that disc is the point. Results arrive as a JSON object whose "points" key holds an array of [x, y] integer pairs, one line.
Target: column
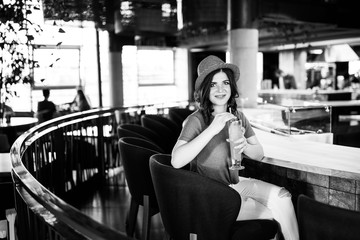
{"points": [[243, 45], [116, 80], [115, 68], [293, 62], [299, 68]]}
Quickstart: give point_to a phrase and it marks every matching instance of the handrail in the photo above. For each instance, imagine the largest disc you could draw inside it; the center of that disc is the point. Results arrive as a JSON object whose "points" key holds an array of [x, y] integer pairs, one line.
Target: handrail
{"points": [[43, 150]]}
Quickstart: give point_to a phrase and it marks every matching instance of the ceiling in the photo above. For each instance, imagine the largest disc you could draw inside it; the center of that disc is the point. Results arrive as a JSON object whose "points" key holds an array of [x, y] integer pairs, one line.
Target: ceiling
{"points": [[289, 24], [203, 24], [304, 23]]}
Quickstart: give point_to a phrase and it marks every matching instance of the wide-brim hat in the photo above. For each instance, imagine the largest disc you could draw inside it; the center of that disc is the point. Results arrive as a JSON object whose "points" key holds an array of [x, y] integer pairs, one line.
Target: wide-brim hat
{"points": [[210, 64]]}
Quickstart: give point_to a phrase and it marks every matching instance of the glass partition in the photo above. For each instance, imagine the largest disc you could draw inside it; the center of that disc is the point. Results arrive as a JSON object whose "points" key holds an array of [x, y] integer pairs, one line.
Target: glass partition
{"points": [[311, 122]]}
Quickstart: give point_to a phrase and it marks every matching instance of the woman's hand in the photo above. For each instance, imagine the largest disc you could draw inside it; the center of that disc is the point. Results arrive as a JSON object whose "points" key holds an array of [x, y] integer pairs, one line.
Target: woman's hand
{"points": [[240, 145], [220, 121]]}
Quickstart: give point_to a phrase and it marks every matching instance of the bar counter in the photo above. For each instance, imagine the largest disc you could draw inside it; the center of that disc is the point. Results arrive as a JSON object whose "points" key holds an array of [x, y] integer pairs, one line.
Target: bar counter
{"points": [[16, 127], [309, 156], [326, 172]]}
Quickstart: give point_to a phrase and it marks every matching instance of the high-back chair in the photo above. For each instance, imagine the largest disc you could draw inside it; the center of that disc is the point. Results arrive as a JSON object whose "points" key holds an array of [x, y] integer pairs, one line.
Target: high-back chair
{"points": [[194, 204], [166, 121], [135, 154], [121, 132], [143, 131], [167, 135], [178, 115], [318, 220]]}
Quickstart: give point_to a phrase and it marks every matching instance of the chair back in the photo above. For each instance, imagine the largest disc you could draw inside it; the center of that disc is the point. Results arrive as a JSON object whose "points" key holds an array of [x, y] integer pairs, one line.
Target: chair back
{"points": [[121, 132], [173, 126], [191, 203], [167, 135], [318, 220], [143, 131], [178, 115], [135, 153]]}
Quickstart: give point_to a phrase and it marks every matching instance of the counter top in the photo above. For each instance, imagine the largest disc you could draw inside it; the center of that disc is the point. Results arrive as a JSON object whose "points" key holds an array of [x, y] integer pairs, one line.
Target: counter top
{"points": [[314, 103], [18, 122], [342, 103], [302, 91], [309, 156]]}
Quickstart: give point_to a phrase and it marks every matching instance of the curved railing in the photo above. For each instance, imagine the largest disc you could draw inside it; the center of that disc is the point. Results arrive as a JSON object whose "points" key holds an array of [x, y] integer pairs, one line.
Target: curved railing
{"points": [[56, 161]]}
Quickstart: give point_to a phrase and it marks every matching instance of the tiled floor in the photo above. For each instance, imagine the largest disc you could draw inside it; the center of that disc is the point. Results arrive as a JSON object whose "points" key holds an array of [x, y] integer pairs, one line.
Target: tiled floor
{"points": [[109, 205]]}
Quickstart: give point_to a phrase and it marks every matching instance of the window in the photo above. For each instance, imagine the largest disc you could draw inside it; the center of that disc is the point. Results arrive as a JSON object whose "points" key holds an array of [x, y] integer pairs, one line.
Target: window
{"points": [[155, 66], [153, 75], [59, 67], [63, 67]]}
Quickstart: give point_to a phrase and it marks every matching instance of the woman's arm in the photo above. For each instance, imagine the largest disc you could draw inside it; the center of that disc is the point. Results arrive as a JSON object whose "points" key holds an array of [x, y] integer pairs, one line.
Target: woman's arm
{"points": [[184, 152]]}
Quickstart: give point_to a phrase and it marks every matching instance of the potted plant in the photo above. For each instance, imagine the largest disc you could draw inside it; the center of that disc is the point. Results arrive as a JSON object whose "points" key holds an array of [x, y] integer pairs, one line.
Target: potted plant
{"points": [[17, 31]]}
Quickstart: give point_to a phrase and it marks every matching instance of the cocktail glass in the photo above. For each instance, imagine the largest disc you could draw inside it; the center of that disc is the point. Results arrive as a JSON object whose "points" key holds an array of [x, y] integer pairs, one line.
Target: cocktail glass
{"points": [[235, 133]]}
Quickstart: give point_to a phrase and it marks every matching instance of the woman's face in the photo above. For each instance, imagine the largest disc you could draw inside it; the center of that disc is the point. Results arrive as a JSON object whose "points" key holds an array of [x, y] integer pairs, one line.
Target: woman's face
{"points": [[220, 90]]}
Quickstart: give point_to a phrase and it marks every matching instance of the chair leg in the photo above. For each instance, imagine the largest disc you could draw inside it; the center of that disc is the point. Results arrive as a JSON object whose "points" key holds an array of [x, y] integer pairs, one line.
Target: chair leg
{"points": [[146, 219], [167, 236], [193, 236], [131, 218]]}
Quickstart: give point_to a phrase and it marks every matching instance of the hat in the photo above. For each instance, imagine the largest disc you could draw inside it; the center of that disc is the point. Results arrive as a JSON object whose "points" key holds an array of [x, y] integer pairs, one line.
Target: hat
{"points": [[210, 64]]}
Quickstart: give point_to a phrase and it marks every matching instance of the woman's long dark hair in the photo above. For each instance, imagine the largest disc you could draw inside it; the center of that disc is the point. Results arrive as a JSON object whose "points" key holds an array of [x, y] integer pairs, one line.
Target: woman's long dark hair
{"points": [[202, 95]]}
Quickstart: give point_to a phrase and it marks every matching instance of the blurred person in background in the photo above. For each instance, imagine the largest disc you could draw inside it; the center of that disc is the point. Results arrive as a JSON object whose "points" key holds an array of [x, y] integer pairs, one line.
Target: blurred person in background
{"points": [[7, 111], [46, 109], [80, 102], [289, 82]]}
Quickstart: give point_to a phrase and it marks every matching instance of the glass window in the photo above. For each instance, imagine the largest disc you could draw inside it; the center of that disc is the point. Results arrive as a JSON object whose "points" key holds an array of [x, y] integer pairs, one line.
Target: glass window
{"points": [[155, 66], [153, 75], [59, 67]]}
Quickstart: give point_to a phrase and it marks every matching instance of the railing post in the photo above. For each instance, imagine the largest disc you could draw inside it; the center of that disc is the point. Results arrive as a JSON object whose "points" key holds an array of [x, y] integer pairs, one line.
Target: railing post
{"points": [[100, 124]]}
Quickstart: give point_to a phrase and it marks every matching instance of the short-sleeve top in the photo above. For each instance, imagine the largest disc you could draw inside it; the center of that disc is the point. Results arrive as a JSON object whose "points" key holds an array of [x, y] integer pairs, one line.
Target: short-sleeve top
{"points": [[214, 159]]}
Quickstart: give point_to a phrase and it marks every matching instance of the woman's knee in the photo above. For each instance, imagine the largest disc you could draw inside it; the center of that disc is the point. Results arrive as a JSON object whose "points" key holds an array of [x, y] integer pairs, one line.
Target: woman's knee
{"points": [[281, 200], [284, 193]]}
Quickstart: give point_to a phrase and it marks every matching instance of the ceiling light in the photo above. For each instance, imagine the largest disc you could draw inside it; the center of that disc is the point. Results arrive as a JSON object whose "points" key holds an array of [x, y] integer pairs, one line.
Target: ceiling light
{"points": [[316, 51]]}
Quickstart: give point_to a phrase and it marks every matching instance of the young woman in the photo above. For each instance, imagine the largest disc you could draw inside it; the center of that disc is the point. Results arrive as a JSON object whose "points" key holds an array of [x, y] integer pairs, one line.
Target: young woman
{"points": [[203, 143]]}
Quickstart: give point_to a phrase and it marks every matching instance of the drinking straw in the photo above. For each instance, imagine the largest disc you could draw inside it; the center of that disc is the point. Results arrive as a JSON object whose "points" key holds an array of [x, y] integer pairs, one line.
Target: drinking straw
{"points": [[267, 129]]}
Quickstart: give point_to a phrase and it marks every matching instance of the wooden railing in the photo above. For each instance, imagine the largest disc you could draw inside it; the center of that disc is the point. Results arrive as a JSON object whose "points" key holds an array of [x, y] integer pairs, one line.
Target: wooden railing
{"points": [[53, 163]]}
